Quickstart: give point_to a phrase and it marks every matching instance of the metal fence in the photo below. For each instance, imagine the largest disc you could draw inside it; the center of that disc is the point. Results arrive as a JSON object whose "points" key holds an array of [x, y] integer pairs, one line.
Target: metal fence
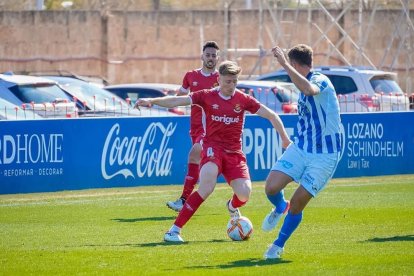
{"points": [[347, 103]]}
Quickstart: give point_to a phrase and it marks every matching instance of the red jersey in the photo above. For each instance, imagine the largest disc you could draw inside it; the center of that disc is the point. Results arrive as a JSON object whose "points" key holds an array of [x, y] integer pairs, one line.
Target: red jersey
{"points": [[224, 117], [193, 81]]}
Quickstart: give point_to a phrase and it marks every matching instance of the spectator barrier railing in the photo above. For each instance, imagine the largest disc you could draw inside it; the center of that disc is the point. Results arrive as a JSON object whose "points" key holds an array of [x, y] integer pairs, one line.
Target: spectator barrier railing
{"points": [[348, 104]]}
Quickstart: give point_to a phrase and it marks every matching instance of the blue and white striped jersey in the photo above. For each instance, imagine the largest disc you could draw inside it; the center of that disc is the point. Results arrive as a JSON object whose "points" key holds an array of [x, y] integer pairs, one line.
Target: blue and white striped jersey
{"points": [[319, 125]]}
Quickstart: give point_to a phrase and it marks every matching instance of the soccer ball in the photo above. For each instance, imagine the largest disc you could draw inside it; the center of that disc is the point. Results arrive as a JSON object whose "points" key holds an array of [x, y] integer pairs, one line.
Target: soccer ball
{"points": [[239, 229]]}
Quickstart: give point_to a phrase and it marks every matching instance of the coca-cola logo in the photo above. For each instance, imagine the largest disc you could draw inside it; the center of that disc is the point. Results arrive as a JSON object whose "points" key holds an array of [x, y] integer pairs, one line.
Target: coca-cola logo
{"points": [[140, 156]]}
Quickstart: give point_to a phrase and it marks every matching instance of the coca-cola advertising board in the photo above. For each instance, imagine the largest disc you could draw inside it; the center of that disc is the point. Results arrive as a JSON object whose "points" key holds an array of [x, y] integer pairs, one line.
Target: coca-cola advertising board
{"points": [[51, 155], [70, 154]]}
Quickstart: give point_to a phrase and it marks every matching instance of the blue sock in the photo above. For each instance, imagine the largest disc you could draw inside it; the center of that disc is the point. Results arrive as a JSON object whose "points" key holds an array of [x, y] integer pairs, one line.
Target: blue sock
{"points": [[289, 226], [278, 200]]}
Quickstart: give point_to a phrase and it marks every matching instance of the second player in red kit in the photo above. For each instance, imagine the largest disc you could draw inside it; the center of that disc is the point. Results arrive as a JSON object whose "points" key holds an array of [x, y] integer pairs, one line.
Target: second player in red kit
{"points": [[195, 80]]}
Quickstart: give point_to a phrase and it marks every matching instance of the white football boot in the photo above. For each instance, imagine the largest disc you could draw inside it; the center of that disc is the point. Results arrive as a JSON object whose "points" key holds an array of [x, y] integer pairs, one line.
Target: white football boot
{"points": [[273, 252], [176, 205], [173, 237], [271, 220], [233, 213]]}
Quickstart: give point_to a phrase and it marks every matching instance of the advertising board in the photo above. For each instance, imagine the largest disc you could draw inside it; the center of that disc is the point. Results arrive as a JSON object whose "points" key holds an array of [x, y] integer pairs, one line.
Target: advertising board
{"points": [[71, 154]]}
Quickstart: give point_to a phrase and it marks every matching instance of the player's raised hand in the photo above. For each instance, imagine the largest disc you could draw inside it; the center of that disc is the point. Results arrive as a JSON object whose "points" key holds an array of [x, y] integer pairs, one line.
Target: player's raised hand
{"points": [[279, 54], [142, 102]]}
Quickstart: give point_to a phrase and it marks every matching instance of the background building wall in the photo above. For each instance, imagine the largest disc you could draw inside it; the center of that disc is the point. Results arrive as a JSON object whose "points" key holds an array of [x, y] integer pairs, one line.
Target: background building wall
{"points": [[160, 46]]}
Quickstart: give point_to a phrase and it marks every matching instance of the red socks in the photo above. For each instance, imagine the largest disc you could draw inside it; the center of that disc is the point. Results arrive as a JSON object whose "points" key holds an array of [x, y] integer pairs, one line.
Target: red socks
{"points": [[189, 208], [190, 180], [192, 204], [236, 202]]}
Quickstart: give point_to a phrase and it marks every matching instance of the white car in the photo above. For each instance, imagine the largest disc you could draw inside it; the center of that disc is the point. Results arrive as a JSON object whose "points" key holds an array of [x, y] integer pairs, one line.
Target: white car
{"points": [[359, 89], [135, 91], [36, 94], [98, 102]]}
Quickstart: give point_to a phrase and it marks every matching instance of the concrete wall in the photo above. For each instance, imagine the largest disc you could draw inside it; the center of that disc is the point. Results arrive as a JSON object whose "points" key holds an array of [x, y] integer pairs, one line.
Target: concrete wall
{"points": [[162, 46]]}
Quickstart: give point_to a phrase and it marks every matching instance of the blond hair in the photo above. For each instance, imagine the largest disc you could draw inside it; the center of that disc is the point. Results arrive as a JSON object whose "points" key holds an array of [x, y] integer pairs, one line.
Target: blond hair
{"points": [[229, 68]]}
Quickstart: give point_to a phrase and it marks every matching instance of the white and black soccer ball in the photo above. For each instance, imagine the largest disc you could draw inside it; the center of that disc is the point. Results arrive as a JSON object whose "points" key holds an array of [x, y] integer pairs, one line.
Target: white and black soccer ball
{"points": [[239, 229]]}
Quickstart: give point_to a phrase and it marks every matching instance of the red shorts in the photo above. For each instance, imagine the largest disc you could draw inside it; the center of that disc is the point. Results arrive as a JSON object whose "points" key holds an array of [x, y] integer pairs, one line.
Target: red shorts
{"points": [[232, 165]]}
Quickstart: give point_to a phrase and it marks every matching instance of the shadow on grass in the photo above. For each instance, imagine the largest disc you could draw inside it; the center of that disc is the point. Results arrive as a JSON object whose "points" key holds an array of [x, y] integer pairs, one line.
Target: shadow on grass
{"points": [[243, 263], [392, 239], [143, 219], [153, 244]]}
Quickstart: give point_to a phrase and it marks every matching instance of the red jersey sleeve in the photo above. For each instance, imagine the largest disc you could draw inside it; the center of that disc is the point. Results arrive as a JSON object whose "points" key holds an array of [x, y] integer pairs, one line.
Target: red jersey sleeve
{"points": [[186, 81], [251, 104]]}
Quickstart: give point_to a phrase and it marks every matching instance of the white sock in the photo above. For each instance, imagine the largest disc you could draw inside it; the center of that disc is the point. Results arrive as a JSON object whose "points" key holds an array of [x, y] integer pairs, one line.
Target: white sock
{"points": [[231, 207]]}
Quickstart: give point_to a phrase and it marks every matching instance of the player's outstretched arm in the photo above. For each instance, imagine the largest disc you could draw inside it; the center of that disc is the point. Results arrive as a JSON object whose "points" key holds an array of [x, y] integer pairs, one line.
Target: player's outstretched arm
{"points": [[276, 122], [169, 101]]}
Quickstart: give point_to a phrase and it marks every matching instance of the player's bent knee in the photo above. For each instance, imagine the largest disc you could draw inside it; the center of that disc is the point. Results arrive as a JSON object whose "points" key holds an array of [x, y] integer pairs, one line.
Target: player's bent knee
{"points": [[244, 198], [244, 194], [194, 156]]}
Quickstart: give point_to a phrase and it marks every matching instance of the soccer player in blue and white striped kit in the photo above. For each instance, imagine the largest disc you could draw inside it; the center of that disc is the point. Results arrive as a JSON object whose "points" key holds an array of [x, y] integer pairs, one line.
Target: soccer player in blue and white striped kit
{"points": [[313, 157]]}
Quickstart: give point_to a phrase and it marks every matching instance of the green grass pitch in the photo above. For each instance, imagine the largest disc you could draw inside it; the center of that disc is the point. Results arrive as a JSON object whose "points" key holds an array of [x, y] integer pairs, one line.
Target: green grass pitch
{"points": [[358, 226]]}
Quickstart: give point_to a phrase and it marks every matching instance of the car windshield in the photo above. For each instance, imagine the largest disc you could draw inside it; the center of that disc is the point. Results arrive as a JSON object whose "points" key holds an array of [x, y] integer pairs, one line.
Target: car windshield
{"points": [[385, 85], [95, 97], [38, 93]]}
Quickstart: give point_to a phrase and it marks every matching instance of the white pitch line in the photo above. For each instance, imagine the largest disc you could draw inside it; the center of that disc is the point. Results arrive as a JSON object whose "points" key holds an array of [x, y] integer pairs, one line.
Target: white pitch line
{"points": [[61, 199], [75, 201], [42, 199]]}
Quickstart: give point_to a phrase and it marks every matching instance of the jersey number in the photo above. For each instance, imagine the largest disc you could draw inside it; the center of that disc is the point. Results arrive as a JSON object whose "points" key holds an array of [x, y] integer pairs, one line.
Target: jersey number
{"points": [[210, 152]]}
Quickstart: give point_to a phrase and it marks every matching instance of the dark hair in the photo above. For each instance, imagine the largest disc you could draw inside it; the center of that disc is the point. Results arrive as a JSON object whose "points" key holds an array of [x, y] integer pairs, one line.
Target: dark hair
{"points": [[211, 44], [302, 54]]}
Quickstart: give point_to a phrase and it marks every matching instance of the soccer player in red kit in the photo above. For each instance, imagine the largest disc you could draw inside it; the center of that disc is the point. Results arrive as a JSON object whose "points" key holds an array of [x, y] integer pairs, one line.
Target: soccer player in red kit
{"points": [[224, 108], [195, 80]]}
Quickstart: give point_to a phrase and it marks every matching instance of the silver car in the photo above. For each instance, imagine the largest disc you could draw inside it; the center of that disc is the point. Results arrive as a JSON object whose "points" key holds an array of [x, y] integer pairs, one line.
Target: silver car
{"points": [[134, 91], [100, 102], [359, 89], [39, 95]]}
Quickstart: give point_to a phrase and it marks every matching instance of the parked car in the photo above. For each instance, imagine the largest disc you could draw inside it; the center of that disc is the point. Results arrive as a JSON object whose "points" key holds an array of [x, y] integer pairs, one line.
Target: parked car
{"points": [[9, 111], [100, 102], [134, 91], [281, 97], [37, 94], [359, 89], [92, 79]]}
